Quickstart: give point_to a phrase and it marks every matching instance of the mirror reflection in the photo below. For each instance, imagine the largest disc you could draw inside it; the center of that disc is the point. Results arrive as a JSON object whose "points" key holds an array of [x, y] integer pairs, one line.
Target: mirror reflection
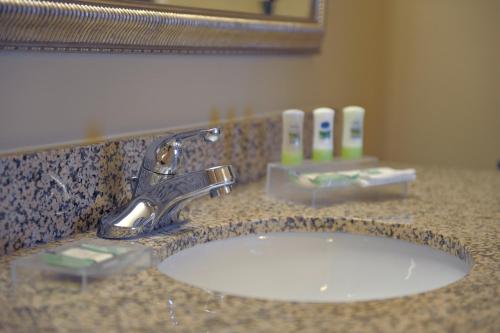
{"points": [[302, 9]]}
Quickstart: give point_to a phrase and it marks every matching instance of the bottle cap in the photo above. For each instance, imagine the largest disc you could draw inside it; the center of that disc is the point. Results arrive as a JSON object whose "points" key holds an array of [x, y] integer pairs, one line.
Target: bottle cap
{"points": [[323, 110]]}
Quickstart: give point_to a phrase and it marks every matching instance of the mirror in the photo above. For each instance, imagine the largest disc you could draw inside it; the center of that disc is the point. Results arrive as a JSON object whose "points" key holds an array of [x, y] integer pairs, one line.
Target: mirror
{"points": [[284, 8], [157, 26]]}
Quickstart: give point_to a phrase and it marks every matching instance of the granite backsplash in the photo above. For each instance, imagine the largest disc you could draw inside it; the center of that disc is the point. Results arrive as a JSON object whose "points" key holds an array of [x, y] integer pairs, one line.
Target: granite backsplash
{"points": [[53, 193]]}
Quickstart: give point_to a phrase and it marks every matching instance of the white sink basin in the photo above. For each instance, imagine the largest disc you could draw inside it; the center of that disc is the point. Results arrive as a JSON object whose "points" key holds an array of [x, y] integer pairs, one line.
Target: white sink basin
{"points": [[314, 267]]}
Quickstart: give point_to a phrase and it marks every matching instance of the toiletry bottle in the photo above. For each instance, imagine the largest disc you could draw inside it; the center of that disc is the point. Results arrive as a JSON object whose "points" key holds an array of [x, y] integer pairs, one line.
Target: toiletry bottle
{"points": [[352, 132], [291, 148], [323, 134]]}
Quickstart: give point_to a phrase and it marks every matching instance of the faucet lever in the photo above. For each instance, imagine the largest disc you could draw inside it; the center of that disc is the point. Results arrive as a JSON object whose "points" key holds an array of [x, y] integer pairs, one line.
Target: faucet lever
{"points": [[164, 155], [209, 134]]}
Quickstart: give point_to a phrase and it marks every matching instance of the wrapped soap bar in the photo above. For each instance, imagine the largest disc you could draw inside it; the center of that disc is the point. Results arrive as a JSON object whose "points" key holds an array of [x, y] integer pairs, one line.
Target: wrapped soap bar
{"points": [[364, 178]]}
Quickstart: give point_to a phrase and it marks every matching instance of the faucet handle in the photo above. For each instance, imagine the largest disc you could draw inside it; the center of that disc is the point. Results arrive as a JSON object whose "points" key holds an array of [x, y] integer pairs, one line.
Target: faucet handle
{"points": [[163, 156], [209, 134]]}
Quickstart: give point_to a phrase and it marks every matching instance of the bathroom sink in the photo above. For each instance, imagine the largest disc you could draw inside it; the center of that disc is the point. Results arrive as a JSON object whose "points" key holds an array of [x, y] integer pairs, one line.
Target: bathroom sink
{"points": [[314, 267]]}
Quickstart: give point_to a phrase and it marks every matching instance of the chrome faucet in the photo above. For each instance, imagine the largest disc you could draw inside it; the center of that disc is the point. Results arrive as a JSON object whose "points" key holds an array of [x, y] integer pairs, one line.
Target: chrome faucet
{"points": [[160, 194]]}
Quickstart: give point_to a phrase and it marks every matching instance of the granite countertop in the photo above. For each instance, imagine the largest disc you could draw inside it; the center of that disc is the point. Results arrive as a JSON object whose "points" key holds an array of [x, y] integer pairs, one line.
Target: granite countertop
{"points": [[457, 211]]}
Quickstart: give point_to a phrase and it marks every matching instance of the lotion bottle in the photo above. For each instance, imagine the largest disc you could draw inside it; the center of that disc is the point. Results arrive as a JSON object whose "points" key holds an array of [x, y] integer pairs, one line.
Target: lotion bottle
{"points": [[291, 148], [352, 132], [323, 134]]}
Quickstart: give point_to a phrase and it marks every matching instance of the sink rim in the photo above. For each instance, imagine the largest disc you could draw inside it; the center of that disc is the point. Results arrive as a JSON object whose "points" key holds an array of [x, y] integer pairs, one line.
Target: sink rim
{"points": [[180, 239], [447, 244]]}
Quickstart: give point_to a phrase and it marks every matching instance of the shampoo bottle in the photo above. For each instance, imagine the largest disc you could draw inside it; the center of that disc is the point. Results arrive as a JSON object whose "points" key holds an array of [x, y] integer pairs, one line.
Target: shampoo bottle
{"points": [[291, 148], [323, 134], [352, 132]]}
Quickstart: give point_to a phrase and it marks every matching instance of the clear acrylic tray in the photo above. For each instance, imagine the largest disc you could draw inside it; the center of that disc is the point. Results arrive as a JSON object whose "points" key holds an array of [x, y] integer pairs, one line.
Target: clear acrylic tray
{"points": [[53, 268], [287, 183]]}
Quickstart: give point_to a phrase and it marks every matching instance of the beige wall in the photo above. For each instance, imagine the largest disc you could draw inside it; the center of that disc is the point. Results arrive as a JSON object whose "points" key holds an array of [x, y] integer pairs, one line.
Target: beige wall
{"points": [[442, 97], [427, 72], [54, 98]]}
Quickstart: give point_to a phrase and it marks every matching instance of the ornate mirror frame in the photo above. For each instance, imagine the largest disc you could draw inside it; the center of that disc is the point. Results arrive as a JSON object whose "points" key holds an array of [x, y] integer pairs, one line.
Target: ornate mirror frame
{"points": [[91, 26]]}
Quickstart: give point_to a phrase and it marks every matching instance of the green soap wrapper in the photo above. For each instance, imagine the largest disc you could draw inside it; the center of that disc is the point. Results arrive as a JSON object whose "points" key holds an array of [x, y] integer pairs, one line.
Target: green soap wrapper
{"points": [[83, 255], [65, 261], [329, 179]]}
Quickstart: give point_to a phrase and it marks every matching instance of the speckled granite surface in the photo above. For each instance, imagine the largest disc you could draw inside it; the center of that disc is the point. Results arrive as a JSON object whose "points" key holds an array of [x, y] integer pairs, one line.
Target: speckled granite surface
{"points": [[456, 211]]}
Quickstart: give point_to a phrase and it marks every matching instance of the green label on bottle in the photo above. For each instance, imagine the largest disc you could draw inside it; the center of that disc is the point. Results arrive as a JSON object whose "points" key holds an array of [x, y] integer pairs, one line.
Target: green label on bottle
{"points": [[352, 152], [320, 155]]}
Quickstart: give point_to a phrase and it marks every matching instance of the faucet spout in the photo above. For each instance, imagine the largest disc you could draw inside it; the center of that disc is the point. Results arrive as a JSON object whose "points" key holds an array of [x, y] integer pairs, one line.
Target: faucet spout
{"points": [[162, 203]]}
